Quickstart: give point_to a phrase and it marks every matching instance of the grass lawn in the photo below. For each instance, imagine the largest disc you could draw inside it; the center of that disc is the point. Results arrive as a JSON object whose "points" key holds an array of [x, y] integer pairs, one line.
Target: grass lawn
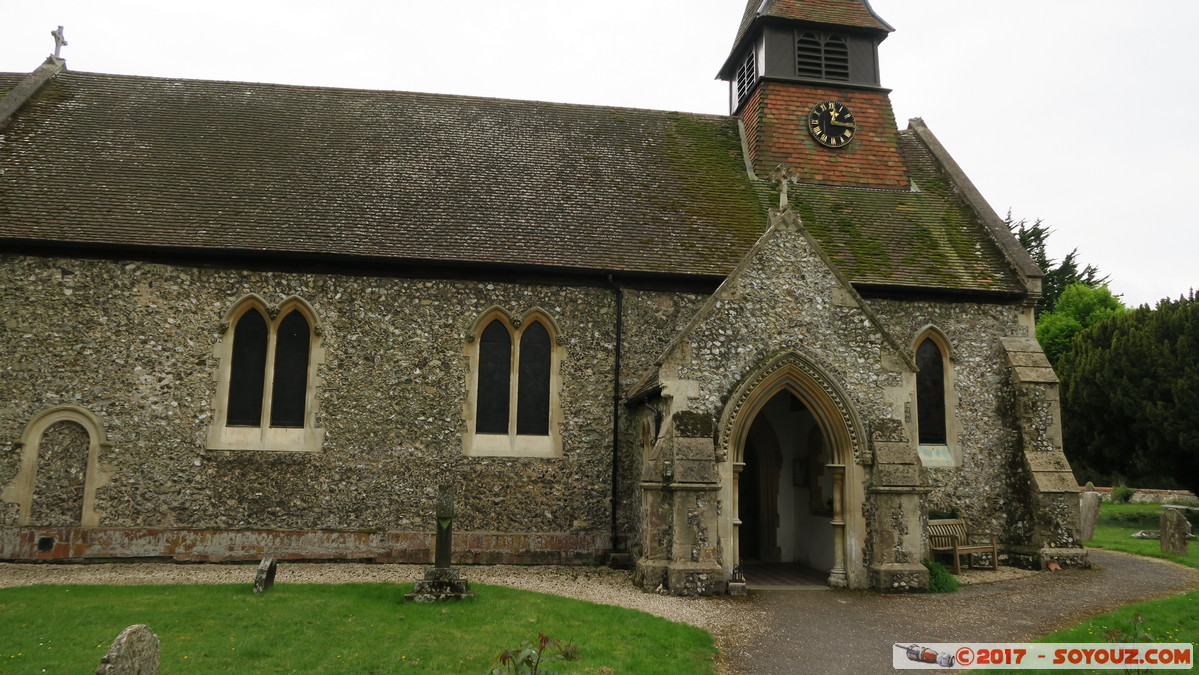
{"points": [[1118, 521], [352, 628], [1174, 619]]}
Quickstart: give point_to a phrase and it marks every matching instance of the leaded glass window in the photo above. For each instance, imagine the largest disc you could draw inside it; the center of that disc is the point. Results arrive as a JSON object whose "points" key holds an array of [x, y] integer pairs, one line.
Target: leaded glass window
{"points": [[930, 393]]}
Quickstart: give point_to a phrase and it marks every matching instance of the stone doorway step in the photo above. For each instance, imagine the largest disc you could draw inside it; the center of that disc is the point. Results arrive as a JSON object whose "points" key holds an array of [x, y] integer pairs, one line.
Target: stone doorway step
{"points": [[760, 576]]}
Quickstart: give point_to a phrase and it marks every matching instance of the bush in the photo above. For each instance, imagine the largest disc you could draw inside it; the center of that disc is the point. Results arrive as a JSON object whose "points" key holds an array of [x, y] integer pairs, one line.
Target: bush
{"points": [[1121, 494], [1130, 397], [939, 578]]}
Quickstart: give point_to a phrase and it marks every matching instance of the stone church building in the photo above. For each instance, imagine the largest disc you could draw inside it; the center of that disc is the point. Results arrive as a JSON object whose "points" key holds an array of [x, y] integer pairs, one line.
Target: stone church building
{"points": [[245, 320]]}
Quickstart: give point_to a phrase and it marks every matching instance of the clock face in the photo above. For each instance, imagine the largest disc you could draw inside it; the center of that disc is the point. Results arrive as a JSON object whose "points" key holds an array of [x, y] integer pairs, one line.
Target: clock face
{"points": [[832, 124]]}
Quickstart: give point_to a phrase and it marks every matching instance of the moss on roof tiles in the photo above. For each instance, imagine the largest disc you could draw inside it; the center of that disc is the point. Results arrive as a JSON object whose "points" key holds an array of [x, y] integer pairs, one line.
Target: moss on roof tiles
{"points": [[708, 151], [928, 238]]}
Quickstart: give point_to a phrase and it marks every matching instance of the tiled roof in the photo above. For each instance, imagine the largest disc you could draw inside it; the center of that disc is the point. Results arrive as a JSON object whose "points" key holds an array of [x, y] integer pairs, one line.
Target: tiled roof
{"points": [[432, 179], [927, 238], [852, 13], [104, 159]]}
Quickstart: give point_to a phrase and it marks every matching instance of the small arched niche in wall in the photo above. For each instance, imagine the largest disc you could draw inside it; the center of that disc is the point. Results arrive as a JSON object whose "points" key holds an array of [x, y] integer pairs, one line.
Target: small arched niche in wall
{"points": [[60, 470]]}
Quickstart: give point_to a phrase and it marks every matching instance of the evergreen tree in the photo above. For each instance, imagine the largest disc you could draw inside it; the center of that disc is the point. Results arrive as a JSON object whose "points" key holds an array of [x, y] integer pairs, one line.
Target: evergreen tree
{"points": [[1130, 397], [1080, 306], [1058, 276]]}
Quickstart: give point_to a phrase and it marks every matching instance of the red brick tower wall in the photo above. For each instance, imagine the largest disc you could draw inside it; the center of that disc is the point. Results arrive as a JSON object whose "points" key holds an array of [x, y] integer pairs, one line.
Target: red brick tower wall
{"points": [[776, 127]]}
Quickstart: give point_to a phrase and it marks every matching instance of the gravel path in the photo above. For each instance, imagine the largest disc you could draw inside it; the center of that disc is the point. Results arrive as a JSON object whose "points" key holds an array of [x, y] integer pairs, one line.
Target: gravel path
{"points": [[854, 632]]}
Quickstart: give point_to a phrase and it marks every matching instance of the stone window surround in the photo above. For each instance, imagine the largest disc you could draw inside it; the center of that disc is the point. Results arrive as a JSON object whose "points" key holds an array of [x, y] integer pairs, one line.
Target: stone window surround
{"points": [[513, 444], [265, 437], [934, 455]]}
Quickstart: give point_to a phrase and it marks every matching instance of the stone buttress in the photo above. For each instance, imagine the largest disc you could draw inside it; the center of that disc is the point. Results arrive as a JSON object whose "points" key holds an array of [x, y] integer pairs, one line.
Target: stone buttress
{"points": [[680, 499], [1055, 529], [897, 499]]}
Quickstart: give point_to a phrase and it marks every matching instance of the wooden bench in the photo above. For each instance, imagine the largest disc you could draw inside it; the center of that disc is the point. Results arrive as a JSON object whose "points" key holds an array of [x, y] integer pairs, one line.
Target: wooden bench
{"points": [[951, 536]]}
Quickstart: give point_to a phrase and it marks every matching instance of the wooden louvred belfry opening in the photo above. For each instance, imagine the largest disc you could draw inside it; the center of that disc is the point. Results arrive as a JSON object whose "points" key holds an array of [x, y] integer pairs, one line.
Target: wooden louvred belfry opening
{"points": [[822, 56]]}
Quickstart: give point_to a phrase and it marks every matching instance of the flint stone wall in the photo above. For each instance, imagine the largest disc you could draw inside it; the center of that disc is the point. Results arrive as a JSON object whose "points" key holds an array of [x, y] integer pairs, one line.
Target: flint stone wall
{"points": [[1147, 496], [651, 320], [58, 491], [988, 487], [788, 301], [133, 342]]}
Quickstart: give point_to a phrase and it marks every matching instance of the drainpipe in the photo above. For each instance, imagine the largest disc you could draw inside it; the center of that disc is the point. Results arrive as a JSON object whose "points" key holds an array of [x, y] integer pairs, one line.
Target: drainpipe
{"points": [[616, 399]]}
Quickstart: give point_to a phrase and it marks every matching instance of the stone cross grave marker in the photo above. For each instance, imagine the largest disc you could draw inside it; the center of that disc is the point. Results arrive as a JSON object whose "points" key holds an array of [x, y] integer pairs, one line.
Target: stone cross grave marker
{"points": [[1089, 512], [134, 652], [445, 528], [265, 578], [1175, 531], [441, 581]]}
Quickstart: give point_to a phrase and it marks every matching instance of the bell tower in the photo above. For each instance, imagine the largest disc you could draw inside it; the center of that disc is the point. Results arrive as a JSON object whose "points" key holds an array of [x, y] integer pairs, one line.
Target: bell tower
{"points": [[804, 80]]}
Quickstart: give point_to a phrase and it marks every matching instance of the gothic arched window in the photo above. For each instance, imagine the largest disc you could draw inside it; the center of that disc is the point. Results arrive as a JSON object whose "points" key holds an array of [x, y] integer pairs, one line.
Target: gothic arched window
{"points": [[267, 388], [930, 393], [936, 401], [248, 371], [533, 385], [514, 388]]}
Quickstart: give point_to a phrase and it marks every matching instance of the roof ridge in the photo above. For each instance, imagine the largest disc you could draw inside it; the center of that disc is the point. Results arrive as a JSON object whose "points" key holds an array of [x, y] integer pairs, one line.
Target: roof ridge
{"points": [[428, 94], [33, 82]]}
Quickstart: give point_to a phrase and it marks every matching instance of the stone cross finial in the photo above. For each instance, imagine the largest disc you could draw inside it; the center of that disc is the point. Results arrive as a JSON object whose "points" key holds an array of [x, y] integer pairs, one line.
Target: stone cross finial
{"points": [[785, 176], [59, 41]]}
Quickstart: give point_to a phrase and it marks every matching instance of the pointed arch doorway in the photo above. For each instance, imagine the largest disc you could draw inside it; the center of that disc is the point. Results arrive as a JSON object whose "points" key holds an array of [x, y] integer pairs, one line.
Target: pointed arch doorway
{"points": [[785, 492], [791, 439]]}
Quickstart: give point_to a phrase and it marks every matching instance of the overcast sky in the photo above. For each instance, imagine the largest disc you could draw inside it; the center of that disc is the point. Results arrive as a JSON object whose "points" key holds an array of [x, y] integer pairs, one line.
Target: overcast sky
{"points": [[1084, 113]]}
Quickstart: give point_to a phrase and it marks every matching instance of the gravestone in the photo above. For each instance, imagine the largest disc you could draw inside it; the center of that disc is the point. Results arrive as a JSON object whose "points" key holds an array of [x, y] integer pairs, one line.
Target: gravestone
{"points": [[265, 578], [134, 652], [1089, 512], [442, 582], [1175, 532]]}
